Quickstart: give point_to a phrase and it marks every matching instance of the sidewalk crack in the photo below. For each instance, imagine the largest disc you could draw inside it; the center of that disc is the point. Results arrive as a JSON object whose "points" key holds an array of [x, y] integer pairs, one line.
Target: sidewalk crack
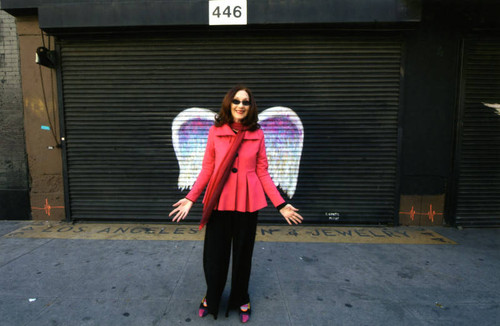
{"points": [[287, 309], [177, 282], [26, 253]]}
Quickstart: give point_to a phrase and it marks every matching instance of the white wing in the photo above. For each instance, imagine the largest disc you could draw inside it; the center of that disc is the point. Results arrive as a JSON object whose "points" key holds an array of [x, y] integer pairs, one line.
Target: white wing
{"points": [[189, 137], [284, 136]]}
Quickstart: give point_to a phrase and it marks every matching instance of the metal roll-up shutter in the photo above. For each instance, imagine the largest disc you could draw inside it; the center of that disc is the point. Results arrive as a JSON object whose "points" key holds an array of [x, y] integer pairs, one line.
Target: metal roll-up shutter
{"points": [[478, 194], [122, 93]]}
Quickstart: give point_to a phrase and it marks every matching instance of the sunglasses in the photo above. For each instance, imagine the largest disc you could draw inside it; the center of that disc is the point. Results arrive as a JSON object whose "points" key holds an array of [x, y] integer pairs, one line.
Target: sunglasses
{"points": [[237, 102]]}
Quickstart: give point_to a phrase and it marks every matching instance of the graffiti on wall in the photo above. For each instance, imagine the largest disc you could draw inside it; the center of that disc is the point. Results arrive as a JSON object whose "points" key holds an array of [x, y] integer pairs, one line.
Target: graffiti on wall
{"points": [[284, 136], [495, 106], [430, 214], [47, 208]]}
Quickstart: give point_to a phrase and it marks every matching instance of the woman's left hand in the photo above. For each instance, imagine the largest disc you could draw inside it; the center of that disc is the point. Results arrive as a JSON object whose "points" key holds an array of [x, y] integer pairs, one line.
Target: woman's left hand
{"points": [[290, 214]]}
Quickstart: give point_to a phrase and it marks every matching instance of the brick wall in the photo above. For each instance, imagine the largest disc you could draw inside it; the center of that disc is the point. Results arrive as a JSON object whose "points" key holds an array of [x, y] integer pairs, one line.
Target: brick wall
{"points": [[14, 185]]}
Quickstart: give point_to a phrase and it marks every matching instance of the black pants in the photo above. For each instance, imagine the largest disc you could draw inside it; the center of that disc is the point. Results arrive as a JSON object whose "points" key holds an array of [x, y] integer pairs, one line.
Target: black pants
{"points": [[223, 229]]}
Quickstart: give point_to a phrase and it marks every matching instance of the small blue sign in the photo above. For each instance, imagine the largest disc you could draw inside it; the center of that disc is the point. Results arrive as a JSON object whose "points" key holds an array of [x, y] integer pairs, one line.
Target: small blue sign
{"points": [[45, 128]]}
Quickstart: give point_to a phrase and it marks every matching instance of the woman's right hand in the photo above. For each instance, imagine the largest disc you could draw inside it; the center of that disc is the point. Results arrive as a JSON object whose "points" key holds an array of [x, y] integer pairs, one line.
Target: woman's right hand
{"points": [[182, 209]]}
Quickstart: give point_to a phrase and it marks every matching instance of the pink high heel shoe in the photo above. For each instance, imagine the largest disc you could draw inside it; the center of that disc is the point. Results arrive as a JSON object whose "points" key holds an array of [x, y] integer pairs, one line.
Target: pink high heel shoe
{"points": [[203, 310], [245, 312]]}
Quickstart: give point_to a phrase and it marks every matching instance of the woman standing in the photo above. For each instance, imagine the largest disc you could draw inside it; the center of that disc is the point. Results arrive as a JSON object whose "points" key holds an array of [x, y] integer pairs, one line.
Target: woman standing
{"points": [[235, 169]]}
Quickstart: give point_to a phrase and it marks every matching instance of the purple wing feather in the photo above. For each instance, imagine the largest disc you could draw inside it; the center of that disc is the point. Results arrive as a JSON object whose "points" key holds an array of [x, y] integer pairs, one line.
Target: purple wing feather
{"points": [[284, 141], [189, 137], [284, 134]]}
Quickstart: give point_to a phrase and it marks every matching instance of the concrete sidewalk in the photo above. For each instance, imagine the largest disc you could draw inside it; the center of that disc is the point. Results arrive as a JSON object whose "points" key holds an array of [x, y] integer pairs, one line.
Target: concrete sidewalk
{"points": [[137, 282]]}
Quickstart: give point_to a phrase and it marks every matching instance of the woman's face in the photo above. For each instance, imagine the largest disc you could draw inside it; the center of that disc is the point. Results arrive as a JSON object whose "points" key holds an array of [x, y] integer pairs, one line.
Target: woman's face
{"points": [[240, 110]]}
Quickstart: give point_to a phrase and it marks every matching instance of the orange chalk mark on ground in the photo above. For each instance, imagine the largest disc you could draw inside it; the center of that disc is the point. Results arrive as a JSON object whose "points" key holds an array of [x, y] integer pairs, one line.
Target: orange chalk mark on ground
{"points": [[430, 214], [47, 208]]}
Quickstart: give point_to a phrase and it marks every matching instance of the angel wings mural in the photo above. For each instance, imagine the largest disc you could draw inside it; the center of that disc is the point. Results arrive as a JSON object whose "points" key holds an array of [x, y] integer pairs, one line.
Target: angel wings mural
{"points": [[284, 135]]}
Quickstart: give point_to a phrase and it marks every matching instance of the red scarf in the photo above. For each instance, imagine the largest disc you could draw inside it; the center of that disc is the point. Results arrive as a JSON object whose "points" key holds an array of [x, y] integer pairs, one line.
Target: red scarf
{"points": [[214, 188]]}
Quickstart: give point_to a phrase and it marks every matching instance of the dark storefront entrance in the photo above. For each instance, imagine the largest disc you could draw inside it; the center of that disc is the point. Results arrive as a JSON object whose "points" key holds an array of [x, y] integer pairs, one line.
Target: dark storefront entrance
{"points": [[122, 92], [478, 154]]}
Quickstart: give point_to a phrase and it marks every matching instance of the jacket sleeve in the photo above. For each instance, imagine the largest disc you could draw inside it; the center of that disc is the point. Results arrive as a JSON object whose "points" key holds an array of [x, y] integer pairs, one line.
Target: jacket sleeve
{"points": [[207, 169], [264, 177]]}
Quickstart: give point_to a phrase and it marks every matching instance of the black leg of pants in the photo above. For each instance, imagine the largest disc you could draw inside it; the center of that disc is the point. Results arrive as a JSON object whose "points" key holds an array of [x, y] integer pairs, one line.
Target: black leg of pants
{"points": [[223, 229]]}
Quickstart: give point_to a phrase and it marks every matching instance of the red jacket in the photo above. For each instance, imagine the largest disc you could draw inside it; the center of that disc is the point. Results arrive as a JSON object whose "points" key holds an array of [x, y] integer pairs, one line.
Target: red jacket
{"points": [[249, 178]]}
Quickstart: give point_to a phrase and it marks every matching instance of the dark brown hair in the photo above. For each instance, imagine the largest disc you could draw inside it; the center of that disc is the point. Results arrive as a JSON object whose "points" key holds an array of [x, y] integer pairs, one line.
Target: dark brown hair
{"points": [[224, 116]]}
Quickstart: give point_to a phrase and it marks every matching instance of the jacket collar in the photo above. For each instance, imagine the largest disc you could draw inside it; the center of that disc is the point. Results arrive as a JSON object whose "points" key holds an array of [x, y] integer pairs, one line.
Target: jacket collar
{"points": [[226, 130]]}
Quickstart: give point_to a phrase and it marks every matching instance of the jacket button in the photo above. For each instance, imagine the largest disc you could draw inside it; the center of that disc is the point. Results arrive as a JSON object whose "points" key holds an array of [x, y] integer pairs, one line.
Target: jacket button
{"points": [[234, 170]]}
